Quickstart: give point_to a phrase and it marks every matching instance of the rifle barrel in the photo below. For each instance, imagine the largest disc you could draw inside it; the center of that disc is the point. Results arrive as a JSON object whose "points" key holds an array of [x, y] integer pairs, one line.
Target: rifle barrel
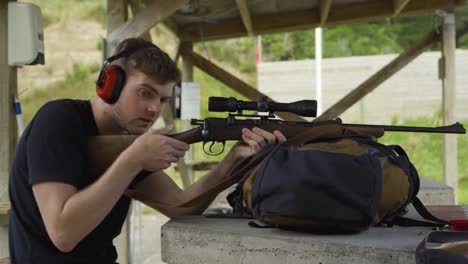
{"points": [[456, 128]]}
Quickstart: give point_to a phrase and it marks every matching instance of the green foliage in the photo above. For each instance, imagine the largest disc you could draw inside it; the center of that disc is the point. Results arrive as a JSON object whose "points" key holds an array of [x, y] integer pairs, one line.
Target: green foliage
{"points": [[78, 84], [55, 11], [240, 53], [392, 36]]}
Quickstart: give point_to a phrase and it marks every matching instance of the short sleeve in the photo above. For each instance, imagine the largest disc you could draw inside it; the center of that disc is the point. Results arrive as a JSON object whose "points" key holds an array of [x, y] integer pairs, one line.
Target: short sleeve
{"points": [[56, 145], [141, 176]]}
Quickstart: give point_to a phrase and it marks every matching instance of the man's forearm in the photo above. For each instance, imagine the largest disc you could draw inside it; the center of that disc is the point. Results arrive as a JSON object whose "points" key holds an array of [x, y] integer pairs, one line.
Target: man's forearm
{"points": [[85, 209], [165, 199], [216, 175]]}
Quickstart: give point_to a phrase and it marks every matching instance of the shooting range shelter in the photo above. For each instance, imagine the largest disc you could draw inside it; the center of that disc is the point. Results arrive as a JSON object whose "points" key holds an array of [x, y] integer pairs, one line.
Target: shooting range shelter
{"points": [[241, 18]]}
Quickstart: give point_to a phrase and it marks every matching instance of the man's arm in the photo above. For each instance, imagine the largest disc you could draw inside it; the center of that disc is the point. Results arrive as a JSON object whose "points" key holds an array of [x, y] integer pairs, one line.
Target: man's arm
{"points": [[70, 214], [159, 189]]}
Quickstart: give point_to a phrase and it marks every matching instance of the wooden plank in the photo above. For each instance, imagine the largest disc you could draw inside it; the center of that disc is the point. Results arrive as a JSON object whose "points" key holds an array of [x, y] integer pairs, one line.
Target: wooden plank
{"points": [[186, 170], [245, 14], [231, 81], [306, 19], [135, 7], [154, 13], [8, 89], [4, 213], [448, 104], [170, 24], [116, 15], [325, 6], [176, 55], [398, 6], [379, 77], [8, 127]]}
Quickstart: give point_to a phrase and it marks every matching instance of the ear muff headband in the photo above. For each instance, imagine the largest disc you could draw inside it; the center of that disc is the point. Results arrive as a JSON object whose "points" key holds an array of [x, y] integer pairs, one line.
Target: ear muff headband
{"points": [[112, 77]]}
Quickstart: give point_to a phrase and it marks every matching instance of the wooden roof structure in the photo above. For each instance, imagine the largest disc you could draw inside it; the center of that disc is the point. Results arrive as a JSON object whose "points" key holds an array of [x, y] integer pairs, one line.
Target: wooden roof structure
{"points": [[199, 20]]}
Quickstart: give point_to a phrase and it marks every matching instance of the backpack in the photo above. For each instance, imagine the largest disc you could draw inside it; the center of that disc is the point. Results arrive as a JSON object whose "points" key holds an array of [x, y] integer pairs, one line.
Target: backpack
{"points": [[329, 179]]}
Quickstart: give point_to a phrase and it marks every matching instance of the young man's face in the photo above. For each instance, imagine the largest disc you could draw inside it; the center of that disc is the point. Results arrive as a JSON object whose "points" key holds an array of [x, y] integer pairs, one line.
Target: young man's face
{"points": [[140, 102]]}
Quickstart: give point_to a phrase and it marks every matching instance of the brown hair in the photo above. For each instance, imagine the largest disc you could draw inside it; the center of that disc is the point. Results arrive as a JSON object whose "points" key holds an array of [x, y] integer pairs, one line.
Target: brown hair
{"points": [[149, 59]]}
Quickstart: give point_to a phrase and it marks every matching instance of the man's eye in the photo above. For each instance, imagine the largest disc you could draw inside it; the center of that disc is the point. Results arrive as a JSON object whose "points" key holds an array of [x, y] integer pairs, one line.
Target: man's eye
{"points": [[144, 93]]}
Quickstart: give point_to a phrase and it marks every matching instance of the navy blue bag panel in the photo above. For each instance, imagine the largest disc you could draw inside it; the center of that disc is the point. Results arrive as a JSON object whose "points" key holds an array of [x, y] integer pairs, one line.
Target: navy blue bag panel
{"points": [[318, 185]]}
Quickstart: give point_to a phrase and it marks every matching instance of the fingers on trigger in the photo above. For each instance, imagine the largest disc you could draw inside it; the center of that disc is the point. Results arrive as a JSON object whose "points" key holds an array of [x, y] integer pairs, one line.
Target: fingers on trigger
{"points": [[279, 136]]}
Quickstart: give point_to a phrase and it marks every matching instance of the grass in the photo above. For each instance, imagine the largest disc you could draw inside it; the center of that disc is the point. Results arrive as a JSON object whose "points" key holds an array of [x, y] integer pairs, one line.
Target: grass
{"points": [[58, 11], [78, 84]]}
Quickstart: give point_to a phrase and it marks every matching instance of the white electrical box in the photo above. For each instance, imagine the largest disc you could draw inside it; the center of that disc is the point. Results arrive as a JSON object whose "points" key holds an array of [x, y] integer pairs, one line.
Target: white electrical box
{"points": [[25, 34]]}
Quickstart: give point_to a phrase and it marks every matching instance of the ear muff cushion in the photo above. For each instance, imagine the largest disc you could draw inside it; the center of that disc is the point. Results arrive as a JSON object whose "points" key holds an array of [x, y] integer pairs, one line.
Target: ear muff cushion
{"points": [[112, 83]]}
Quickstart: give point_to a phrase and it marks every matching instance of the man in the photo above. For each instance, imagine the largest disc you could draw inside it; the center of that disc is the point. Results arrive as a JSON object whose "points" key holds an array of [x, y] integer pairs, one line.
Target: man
{"points": [[62, 215]]}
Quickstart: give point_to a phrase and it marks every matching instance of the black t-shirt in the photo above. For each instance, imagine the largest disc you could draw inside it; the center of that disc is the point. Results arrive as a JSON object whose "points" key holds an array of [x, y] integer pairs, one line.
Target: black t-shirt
{"points": [[53, 148]]}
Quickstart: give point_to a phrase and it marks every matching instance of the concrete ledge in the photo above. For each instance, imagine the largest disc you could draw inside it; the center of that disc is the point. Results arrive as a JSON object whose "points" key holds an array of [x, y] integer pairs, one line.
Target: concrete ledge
{"points": [[209, 240], [434, 193]]}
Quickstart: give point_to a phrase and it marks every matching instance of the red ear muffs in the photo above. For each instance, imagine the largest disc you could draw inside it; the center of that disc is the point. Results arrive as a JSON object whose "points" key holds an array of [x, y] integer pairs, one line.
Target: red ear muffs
{"points": [[110, 83]]}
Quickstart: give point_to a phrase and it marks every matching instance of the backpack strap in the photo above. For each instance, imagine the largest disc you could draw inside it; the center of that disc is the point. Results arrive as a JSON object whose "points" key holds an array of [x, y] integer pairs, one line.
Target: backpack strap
{"points": [[409, 222], [421, 209], [260, 224]]}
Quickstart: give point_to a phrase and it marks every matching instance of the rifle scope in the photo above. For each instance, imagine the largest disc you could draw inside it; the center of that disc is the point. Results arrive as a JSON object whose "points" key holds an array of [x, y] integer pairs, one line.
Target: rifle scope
{"points": [[231, 104]]}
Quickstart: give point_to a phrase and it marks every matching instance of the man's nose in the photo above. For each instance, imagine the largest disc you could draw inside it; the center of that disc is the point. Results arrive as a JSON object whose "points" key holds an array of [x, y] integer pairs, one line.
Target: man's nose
{"points": [[155, 106]]}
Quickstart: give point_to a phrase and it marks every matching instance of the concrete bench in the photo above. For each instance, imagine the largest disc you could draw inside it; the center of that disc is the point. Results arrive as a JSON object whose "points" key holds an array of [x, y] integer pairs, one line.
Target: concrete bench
{"points": [[431, 192], [211, 240]]}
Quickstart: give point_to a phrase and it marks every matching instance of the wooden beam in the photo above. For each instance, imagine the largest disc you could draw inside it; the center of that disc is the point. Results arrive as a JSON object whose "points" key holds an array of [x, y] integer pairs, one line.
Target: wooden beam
{"points": [[176, 54], [325, 6], [116, 15], [245, 14], [449, 101], [8, 127], [379, 77], [154, 13], [172, 26], [186, 171], [398, 6], [136, 6], [306, 19], [231, 81], [8, 90], [4, 212]]}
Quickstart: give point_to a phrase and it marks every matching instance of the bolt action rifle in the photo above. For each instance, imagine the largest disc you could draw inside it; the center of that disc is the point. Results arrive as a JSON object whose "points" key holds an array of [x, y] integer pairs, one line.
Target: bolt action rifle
{"points": [[103, 150]]}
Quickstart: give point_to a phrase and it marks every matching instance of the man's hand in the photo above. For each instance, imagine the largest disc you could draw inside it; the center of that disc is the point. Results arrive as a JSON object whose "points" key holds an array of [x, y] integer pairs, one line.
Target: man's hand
{"points": [[153, 151], [255, 139]]}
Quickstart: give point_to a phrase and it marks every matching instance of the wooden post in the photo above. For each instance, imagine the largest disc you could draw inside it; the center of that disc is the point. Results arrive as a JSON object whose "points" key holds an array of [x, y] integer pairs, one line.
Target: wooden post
{"points": [[117, 14], [8, 133], [448, 105], [185, 164]]}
